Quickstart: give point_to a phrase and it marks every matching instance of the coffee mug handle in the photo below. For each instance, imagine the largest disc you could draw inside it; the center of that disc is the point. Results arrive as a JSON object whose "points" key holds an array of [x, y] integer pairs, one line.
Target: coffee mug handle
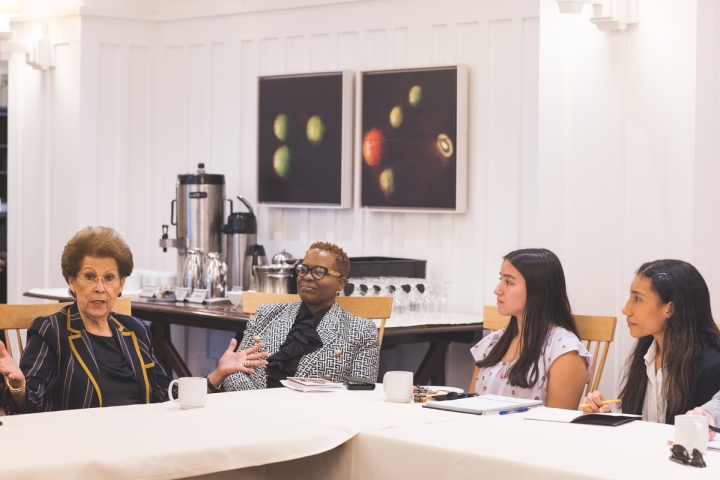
{"points": [[170, 390]]}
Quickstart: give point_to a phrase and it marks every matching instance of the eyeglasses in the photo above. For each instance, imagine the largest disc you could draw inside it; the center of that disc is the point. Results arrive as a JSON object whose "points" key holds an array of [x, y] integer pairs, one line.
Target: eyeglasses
{"points": [[109, 280], [318, 272], [680, 455]]}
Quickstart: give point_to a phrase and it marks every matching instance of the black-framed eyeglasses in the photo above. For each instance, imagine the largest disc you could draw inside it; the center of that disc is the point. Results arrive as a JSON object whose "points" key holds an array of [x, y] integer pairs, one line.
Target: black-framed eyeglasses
{"points": [[318, 272], [680, 455]]}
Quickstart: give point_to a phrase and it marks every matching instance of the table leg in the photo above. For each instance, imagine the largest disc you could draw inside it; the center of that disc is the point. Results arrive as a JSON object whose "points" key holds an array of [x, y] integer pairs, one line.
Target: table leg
{"points": [[165, 351], [432, 368]]}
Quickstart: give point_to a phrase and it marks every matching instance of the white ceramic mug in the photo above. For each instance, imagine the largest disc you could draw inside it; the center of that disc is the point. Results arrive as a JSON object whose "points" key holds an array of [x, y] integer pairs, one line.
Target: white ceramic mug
{"points": [[398, 386], [192, 392], [691, 431]]}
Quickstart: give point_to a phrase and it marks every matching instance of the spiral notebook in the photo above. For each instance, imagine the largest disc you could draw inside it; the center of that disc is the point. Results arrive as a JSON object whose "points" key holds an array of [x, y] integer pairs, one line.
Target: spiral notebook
{"points": [[486, 404]]}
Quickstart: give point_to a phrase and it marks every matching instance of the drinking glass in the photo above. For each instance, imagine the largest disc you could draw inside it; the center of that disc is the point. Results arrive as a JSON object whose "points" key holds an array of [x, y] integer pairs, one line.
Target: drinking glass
{"points": [[442, 299], [372, 289], [356, 292], [428, 298], [385, 287], [400, 302], [415, 298]]}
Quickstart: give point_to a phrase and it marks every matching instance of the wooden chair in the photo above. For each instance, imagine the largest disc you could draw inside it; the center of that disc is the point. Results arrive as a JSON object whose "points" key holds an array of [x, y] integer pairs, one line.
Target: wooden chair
{"points": [[597, 330], [365, 307], [19, 317]]}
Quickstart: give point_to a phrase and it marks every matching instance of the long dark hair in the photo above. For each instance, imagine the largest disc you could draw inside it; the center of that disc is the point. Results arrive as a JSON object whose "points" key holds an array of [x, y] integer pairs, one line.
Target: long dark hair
{"points": [[546, 305], [688, 330]]}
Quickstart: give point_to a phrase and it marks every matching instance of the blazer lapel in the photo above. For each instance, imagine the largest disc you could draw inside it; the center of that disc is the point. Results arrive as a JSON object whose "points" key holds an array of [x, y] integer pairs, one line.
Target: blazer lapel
{"points": [[328, 331], [133, 356], [82, 351], [329, 327]]}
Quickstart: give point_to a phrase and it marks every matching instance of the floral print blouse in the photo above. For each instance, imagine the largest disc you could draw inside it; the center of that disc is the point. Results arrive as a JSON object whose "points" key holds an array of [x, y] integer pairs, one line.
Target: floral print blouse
{"points": [[492, 379]]}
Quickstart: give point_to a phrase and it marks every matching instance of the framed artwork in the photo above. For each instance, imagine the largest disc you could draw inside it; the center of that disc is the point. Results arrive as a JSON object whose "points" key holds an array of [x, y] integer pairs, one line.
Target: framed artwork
{"points": [[412, 140], [305, 140]]}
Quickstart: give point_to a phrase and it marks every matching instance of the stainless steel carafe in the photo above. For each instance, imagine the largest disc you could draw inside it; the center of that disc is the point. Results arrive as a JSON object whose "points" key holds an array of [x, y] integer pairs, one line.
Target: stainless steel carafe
{"points": [[254, 257], [193, 271], [200, 202], [240, 233], [215, 275]]}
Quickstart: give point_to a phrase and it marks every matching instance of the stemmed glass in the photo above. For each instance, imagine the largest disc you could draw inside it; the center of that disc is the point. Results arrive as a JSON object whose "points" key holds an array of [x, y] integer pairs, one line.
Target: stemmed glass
{"points": [[356, 291], [428, 298], [442, 299], [385, 287], [400, 302], [370, 285], [415, 298]]}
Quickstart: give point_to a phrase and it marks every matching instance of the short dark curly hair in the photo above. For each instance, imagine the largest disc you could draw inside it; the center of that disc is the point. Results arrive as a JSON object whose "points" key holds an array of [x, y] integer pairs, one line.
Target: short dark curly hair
{"points": [[100, 242], [341, 263]]}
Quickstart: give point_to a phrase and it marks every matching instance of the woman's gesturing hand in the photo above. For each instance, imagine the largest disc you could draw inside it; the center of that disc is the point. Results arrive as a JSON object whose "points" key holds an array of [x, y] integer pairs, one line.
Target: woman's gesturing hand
{"points": [[242, 360], [594, 400], [9, 368], [711, 420]]}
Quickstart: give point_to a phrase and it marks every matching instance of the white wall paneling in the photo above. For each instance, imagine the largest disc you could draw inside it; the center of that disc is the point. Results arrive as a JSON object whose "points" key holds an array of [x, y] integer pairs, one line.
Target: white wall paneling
{"points": [[598, 145], [137, 101]]}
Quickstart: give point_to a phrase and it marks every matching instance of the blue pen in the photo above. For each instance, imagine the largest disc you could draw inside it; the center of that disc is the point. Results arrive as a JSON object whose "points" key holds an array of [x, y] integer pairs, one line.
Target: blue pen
{"points": [[519, 410]]}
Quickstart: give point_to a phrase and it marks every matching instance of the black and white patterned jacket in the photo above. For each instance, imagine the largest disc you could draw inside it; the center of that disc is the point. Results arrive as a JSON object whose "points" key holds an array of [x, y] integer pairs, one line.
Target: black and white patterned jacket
{"points": [[355, 337]]}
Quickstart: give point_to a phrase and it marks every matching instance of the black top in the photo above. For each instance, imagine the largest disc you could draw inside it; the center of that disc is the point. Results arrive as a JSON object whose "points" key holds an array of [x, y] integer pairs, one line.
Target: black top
{"points": [[706, 378], [117, 381], [301, 340]]}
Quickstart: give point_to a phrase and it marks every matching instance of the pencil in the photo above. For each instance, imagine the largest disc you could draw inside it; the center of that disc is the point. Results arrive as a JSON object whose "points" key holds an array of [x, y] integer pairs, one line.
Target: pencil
{"points": [[606, 402]]}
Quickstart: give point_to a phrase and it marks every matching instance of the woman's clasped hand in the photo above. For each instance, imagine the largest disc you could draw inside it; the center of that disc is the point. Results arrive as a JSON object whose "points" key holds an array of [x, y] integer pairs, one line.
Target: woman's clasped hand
{"points": [[594, 401]]}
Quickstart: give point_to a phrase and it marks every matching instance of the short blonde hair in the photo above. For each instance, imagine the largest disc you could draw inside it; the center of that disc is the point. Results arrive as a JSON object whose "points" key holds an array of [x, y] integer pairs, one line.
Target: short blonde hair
{"points": [[341, 263], [100, 242]]}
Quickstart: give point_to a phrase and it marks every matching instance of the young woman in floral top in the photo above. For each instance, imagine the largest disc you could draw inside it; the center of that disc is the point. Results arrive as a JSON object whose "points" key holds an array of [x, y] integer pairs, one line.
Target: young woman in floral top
{"points": [[538, 356]]}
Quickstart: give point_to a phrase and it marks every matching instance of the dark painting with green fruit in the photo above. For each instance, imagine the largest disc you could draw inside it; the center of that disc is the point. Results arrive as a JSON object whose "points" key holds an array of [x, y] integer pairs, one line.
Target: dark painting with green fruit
{"points": [[300, 139], [409, 138]]}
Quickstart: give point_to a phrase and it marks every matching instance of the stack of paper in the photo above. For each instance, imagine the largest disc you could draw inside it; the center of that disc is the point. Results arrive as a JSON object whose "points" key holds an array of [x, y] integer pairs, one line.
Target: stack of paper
{"points": [[486, 404], [715, 443], [312, 384]]}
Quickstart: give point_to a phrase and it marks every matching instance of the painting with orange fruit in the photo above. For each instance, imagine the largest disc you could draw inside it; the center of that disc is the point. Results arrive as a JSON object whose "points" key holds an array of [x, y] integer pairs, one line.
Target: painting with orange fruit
{"points": [[409, 139], [305, 139]]}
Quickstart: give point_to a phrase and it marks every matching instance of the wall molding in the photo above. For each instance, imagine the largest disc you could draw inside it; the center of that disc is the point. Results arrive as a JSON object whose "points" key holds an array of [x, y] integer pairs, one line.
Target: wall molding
{"points": [[609, 15]]}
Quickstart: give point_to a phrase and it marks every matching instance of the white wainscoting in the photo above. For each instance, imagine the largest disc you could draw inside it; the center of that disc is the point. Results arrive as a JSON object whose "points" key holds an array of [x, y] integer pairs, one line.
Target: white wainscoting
{"points": [[132, 103]]}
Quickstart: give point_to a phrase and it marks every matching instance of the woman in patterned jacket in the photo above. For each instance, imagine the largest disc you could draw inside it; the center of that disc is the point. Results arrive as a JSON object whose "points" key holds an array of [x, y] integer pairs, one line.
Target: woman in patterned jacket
{"points": [[314, 337]]}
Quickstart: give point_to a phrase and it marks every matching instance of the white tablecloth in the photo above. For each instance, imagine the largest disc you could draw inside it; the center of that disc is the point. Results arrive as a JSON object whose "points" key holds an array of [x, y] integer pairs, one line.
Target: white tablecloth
{"points": [[509, 447], [495, 447], [234, 430], [277, 434]]}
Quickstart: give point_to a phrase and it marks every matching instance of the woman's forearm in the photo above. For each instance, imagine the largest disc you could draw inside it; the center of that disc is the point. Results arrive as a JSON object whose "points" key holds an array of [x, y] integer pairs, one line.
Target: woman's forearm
{"points": [[713, 408]]}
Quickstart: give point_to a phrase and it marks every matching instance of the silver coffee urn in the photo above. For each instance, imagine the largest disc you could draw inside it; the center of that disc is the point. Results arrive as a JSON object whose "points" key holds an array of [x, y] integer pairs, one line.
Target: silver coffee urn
{"points": [[197, 212]]}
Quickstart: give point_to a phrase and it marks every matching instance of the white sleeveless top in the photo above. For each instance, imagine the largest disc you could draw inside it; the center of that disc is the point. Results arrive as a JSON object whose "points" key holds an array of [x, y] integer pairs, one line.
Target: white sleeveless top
{"points": [[492, 379]]}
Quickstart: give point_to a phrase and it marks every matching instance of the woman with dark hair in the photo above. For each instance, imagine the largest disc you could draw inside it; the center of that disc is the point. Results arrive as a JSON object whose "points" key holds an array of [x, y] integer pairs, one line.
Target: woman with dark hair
{"points": [[538, 356], [675, 364]]}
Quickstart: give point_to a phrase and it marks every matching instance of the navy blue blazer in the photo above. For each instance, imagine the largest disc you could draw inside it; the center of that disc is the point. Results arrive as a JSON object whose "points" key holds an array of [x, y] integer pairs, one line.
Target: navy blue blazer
{"points": [[60, 368]]}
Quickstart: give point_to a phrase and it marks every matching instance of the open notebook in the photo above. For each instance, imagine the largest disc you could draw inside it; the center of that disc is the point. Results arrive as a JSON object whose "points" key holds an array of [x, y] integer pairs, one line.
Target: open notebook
{"points": [[574, 416], [485, 404]]}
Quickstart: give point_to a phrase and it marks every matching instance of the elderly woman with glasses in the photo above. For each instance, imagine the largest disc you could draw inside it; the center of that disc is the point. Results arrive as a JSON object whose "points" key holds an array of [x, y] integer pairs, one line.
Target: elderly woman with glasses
{"points": [[314, 337], [86, 355]]}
